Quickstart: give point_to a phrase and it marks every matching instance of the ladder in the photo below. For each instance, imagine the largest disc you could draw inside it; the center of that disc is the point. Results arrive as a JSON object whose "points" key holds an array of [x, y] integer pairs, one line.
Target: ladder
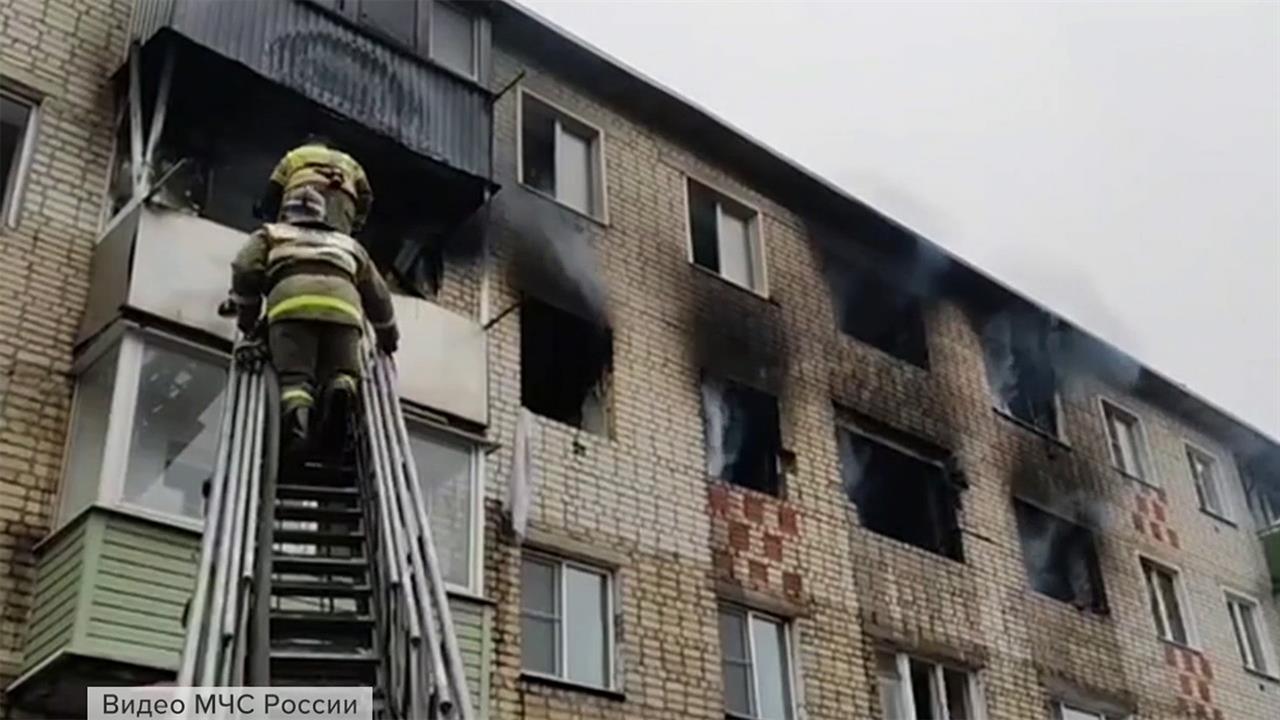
{"points": [[323, 573]]}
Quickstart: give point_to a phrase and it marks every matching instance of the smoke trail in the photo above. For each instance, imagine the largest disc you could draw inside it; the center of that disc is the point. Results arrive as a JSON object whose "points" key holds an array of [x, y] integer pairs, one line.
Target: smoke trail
{"points": [[715, 412]]}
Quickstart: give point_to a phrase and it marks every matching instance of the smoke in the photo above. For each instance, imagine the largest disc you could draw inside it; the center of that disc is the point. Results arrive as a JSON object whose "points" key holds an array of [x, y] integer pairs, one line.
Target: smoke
{"points": [[853, 464], [715, 412], [550, 255]]}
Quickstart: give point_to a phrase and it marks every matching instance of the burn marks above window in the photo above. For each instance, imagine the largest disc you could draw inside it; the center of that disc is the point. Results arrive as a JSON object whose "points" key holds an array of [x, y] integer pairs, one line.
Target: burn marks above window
{"points": [[1018, 347], [905, 494], [743, 441], [874, 309], [565, 366], [1060, 558]]}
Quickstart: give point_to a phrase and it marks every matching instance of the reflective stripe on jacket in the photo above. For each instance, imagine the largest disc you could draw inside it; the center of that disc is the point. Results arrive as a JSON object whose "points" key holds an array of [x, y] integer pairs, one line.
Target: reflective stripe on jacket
{"points": [[310, 274]]}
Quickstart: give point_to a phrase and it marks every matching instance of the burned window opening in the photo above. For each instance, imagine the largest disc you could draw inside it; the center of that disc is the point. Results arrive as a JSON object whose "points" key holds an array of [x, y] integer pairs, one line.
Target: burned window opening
{"points": [[874, 310], [900, 494], [1060, 557], [1018, 349], [743, 440], [228, 127], [565, 366]]}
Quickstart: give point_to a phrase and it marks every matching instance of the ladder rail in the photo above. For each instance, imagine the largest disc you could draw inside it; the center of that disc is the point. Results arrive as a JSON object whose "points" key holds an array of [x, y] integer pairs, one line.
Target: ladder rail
{"points": [[386, 380]]}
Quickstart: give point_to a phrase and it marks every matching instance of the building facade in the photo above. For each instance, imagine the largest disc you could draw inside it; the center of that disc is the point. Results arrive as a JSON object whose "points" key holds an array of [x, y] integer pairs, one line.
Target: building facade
{"points": [[704, 437]]}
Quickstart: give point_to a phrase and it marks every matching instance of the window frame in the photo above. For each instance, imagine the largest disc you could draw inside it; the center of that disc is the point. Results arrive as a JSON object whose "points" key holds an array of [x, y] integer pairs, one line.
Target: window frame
{"points": [[1146, 462], [422, 45], [906, 696], [1214, 463], [1180, 590], [475, 561], [476, 36], [1060, 705], [755, 234], [598, 183], [131, 342], [11, 203], [611, 654], [1270, 667], [788, 652]]}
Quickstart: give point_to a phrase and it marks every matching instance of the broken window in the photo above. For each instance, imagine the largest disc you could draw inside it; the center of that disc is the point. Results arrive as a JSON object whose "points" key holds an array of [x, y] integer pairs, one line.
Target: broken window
{"points": [[560, 156], [1060, 558], [900, 494], [725, 237], [565, 363], [742, 436], [1017, 348], [17, 131], [879, 313]]}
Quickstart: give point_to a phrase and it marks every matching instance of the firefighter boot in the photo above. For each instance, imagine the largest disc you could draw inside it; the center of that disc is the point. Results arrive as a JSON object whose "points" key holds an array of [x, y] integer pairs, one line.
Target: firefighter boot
{"points": [[294, 432], [339, 404]]}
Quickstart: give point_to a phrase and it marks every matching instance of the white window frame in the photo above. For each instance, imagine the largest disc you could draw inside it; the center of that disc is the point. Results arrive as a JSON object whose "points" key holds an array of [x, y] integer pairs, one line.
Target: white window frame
{"points": [[1269, 667], [11, 203], [475, 39], [1216, 469], [755, 234], [131, 341], [1059, 706], [610, 618], [907, 698], [475, 563], [1147, 472], [1179, 589], [788, 651], [1260, 509], [598, 182]]}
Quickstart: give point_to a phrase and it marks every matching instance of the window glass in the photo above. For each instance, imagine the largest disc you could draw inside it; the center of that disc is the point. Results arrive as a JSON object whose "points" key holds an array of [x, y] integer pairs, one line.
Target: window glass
{"points": [[538, 146], [1249, 636], [15, 116], [702, 227], [453, 38], [957, 690], [448, 482], [771, 669], [540, 616], [736, 662], [1070, 713], [735, 248], [1125, 436], [1204, 471], [890, 686], [1166, 604], [921, 688], [396, 18], [94, 389], [573, 169], [586, 607], [175, 431]]}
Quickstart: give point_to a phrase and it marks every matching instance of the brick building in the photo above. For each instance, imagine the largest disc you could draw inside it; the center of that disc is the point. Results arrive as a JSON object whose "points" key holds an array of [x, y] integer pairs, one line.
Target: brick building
{"points": [[784, 458]]}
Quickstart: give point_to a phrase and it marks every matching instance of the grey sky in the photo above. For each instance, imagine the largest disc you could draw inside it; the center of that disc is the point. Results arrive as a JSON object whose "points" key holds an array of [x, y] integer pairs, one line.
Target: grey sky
{"points": [[1118, 162]]}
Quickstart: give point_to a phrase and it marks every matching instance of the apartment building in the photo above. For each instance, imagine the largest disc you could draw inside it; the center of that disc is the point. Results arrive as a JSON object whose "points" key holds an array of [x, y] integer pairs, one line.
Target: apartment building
{"points": [[704, 436]]}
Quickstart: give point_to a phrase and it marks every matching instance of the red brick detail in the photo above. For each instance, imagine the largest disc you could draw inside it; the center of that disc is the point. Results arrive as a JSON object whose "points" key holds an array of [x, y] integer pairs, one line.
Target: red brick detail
{"points": [[1217, 714], [792, 584], [1161, 494], [1205, 670], [1182, 706], [1138, 523], [1141, 502], [788, 521], [759, 573], [773, 547], [719, 500], [1170, 657], [1201, 712], [1173, 537], [1157, 509], [739, 536], [1188, 661], [722, 563], [1156, 532], [1203, 687], [1185, 682], [753, 508]]}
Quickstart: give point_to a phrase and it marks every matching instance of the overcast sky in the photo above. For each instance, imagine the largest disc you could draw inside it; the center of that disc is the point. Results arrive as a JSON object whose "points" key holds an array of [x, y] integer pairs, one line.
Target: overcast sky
{"points": [[1118, 162]]}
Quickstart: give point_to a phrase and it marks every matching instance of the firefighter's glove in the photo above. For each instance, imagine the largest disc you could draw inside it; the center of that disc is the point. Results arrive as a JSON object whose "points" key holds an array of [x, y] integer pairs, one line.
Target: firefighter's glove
{"points": [[250, 351], [388, 339]]}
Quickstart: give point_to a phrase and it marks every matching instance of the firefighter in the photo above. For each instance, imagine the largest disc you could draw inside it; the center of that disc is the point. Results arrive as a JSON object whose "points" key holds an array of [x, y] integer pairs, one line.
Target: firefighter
{"points": [[336, 175], [319, 286]]}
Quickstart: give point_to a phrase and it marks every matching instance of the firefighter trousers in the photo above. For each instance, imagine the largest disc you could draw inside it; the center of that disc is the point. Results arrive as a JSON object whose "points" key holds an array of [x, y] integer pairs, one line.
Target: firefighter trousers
{"points": [[312, 356]]}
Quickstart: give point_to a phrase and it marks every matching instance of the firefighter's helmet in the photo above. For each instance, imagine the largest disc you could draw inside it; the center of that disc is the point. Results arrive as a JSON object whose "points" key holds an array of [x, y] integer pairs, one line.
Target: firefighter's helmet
{"points": [[304, 206]]}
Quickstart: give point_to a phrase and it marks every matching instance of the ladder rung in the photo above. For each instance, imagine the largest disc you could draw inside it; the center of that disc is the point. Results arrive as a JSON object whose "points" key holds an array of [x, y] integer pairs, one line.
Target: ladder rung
{"points": [[298, 512], [314, 537], [317, 492], [318, 565], [292, 588]]}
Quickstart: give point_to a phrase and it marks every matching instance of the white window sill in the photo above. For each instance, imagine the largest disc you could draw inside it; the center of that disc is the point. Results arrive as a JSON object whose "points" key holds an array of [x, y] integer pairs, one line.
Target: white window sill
{"points": [[763, 295], [529, 676], [1136, 478], [1034, 429], [1262, 675], [1181, 646], [600, 220], [1218, 516]]}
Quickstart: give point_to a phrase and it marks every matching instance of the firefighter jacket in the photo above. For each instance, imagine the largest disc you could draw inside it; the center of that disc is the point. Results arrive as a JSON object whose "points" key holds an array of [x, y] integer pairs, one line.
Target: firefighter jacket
{"points": [[308, 274], [326, 169]]}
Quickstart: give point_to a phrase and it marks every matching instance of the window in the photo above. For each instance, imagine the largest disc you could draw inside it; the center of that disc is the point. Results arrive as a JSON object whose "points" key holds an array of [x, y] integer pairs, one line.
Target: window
{"points": [[1165, 595], [1020, 367], [565, 363], [566, 621], [914, 689], [1127, 441], [453, 38], [1251, 637], [1263, 501], [145, 429], [725, 237], [449, 472], [17, 142], [899, 493], [1068, 712], [755, 659], [1060, 558], [561, 156], [742, 436], [871, 308], [1204, 471]]}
